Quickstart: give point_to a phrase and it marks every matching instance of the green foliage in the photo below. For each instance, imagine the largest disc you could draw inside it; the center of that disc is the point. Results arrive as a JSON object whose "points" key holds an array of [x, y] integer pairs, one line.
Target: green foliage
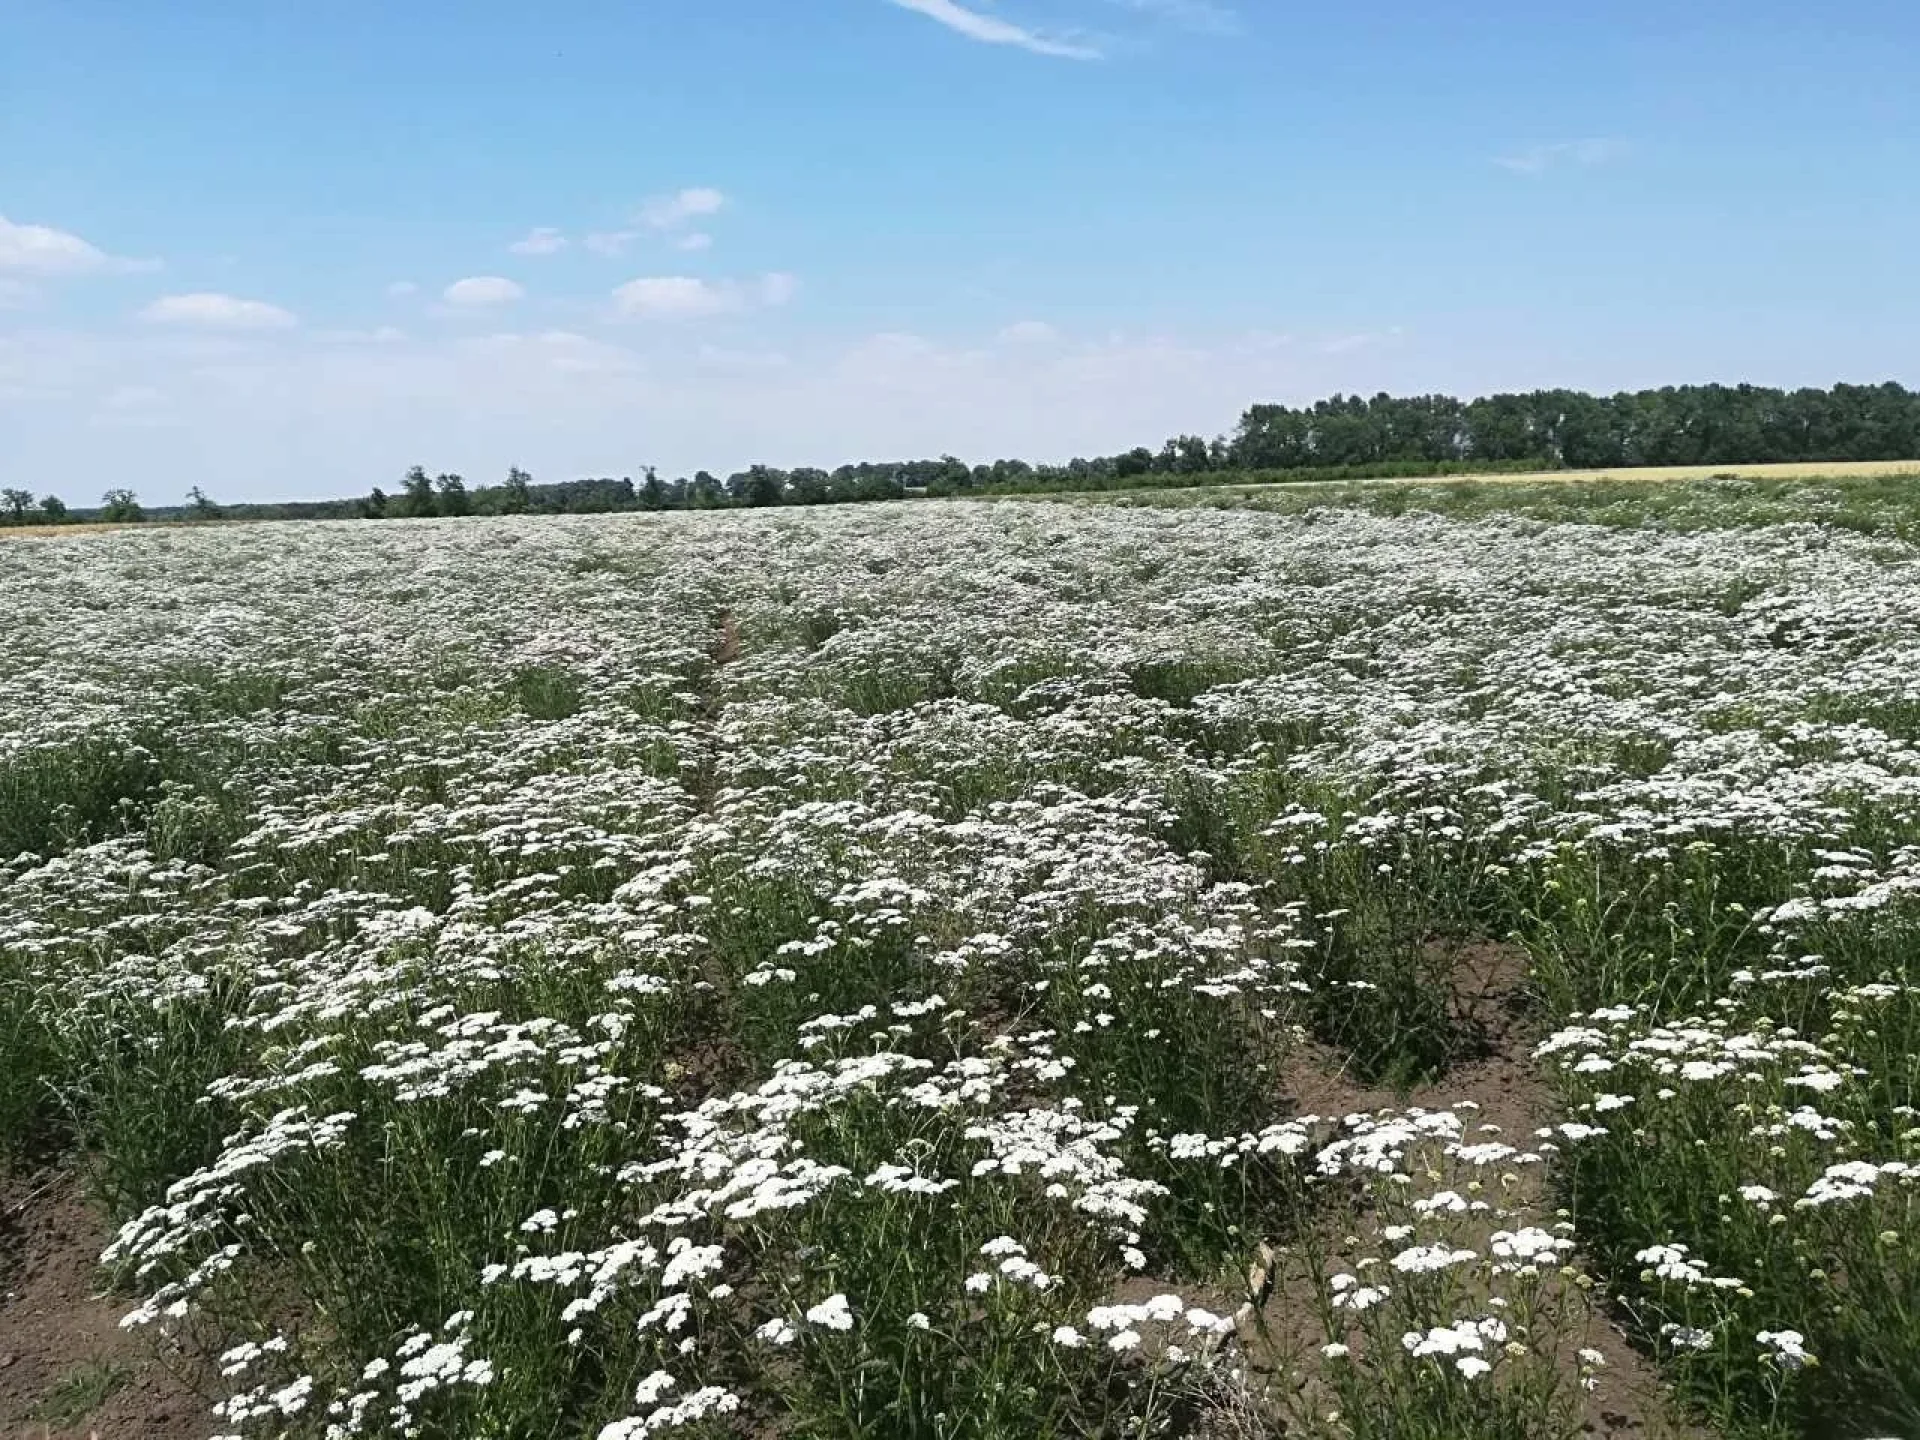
{"points": [[547, 692], [120, 507], [1338, 439], [80, 1392], [452, 495], [133, 1081], [62, 795], [417, 500], [1886, 505], [516, 495], [29, 1113]]}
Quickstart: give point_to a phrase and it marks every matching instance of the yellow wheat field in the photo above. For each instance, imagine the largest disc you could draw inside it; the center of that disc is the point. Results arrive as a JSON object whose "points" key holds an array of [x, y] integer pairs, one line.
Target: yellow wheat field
{"points": [[28, 532]]}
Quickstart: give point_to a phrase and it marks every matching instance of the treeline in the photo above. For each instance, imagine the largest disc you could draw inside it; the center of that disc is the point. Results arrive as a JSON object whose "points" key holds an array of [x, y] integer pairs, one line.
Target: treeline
{"points": [[1685, 425], [1344, 437]]}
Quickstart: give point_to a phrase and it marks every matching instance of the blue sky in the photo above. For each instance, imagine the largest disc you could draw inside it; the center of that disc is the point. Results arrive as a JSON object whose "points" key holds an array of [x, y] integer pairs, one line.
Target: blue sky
{"points": [[286, 250]]}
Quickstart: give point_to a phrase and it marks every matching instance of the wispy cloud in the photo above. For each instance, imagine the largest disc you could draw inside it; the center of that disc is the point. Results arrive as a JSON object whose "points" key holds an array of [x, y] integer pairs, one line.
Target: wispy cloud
{"points": [[43, 250], [683, 297], [1537, 159], [1203, 17], [670, 212], [541, 240], [991, 30], [667, 216], [778, 288], [479, 291], [675, 297], [610, 242], [211, 310], [1029, 332], [380, 335]]}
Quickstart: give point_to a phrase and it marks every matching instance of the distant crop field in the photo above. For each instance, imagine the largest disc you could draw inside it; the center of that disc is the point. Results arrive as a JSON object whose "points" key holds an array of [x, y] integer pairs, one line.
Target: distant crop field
{"points": [[968, 972], [1835, 469], [27, 532]]}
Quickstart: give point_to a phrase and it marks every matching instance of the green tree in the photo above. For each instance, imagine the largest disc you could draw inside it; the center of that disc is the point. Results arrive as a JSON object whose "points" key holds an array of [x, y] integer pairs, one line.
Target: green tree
{"points": [[18, 501], [53, 508], [516, 496], [376, 505], [200, 507], [653, 495], [453, 495], [417, 501], [808, 486], [765, 486], [121, 507], [705, 491]]}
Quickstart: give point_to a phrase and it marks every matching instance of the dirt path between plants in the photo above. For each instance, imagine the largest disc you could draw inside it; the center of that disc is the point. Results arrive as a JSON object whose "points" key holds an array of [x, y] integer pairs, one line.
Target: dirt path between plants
{"points": [[67, 1369], [1502, 1093]]}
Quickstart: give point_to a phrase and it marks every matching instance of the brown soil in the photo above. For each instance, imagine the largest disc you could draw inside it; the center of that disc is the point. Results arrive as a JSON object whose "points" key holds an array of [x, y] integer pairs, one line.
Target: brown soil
{"points": [[1316, 1082], [726, 642], [59, 1330], [1500, 1091], [1489, 1005], [1487, 1002]]}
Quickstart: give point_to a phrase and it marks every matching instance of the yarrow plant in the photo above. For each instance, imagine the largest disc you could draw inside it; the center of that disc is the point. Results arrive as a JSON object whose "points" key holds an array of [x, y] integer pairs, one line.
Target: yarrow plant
{"points": [[978, 971]]}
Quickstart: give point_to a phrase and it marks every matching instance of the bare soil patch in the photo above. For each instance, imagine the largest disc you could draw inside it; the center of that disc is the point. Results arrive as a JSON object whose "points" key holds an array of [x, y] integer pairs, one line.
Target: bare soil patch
{"points": [[1317, 1081], [1500, 1092], [67, 1369]]}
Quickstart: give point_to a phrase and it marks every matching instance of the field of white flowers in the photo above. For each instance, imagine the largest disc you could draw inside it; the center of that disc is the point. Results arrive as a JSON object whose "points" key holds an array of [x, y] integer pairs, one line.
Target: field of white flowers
{"points": [[987, 971]]}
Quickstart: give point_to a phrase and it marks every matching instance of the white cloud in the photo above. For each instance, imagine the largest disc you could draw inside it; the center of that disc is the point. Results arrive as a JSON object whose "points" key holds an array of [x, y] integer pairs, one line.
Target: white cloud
{"points": [[684, 297], [778, 288], [675, 297], [669, 212], [43, 250], [719, 359], [1029, 332], [215, 311], [541, 240], [479, 291], [991, 30], [569, 353], [610, 242], [667, 216], [1536, 159], [379, 335], [16, 294], [400, 289]]}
